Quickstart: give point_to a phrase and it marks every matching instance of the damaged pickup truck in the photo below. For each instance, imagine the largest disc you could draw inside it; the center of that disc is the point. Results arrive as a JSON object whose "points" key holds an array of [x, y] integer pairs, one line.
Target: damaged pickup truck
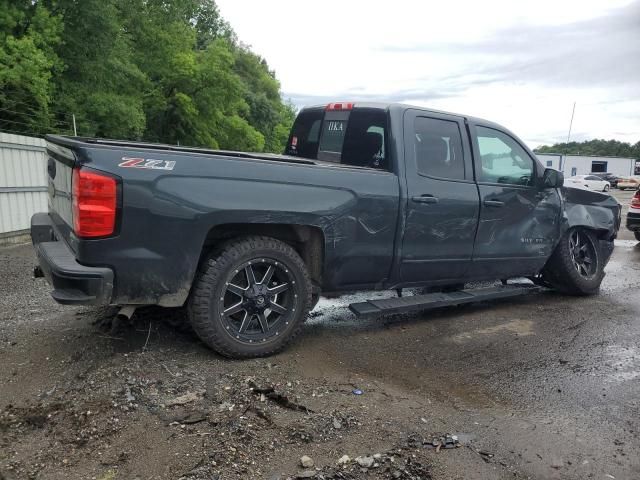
{"points": [[367, 196]]}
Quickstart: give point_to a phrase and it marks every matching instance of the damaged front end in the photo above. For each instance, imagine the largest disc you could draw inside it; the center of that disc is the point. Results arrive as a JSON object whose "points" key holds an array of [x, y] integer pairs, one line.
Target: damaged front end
{"points": [[596, 211]]}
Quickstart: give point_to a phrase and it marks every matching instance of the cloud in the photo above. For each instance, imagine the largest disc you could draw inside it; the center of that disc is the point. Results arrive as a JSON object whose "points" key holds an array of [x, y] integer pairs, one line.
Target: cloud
{"points": [[602, 51], [522, 64]]}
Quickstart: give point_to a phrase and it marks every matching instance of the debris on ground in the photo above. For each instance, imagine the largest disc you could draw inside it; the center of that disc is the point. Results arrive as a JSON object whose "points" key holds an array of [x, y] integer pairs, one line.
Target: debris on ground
{"points": [[394, 464], [306, 461]]}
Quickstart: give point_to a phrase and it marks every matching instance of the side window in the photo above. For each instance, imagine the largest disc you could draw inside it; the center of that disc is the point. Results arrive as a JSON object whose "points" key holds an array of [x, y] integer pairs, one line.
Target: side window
{"points": [[305, 134], [364, 142], [438, 148], [503, 159]]}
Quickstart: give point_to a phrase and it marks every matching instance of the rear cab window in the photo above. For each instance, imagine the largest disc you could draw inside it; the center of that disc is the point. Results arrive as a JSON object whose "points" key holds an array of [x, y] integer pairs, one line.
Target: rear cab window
{"points": [[347, 136]]}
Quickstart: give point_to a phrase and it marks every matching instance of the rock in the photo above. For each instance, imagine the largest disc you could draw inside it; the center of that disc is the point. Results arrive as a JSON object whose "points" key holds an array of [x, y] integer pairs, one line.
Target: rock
{"points": [[377, 456], [336, 424], [343, 460], [306, 461], [365, 462], [184, 399], [307, 474], [129, 396]]}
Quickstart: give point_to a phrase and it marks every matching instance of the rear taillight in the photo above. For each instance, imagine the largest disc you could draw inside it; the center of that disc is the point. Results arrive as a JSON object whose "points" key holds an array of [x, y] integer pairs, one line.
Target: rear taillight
{"points": [[635, 201], [94, 204]]}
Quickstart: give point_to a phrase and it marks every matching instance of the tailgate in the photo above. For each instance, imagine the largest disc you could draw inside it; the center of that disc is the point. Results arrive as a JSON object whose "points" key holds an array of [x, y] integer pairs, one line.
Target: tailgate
{"points": [[60, 163]]}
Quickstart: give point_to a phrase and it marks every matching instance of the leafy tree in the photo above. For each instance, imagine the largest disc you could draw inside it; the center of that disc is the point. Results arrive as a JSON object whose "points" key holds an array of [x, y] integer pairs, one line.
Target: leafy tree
{"points": [[101, 83], [162, 71], [605, 148], [28, 35]]}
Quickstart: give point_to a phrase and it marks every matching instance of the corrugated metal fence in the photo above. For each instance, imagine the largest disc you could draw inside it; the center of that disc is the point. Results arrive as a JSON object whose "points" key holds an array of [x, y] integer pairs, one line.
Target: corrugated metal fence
{"points": [[23, 183]]}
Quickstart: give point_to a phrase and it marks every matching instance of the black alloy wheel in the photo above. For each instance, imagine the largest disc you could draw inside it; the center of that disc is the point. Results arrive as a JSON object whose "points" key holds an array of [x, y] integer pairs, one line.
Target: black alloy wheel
{"points": [[258, 300], [583, 254]]}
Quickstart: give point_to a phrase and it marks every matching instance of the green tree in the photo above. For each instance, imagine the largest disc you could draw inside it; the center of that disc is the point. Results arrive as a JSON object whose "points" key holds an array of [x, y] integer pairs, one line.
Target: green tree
{"points": [[100, 83], [598, 147], [28, 35], [161, 71]]}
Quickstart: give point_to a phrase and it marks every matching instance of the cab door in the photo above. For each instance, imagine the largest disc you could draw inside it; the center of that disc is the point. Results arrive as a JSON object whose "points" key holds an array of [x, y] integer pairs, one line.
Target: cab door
{"points": [[519, 219], [443, 204]]}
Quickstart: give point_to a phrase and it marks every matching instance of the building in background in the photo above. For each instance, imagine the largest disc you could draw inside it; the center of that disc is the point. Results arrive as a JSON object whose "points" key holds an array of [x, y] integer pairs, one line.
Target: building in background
{"points": [[571, 165], [23, 185]]}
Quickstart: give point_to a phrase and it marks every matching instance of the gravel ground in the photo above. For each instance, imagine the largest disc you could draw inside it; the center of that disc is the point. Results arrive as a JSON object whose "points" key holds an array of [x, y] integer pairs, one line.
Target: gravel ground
{"points": [[544, 387]]}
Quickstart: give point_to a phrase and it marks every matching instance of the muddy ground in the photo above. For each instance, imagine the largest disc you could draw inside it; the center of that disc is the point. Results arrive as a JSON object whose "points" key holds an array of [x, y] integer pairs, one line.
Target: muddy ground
{"points": [[543, 387]]}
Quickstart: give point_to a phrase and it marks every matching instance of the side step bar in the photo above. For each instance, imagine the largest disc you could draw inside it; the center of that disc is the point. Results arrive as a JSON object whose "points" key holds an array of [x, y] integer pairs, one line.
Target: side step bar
{"points": [[437, 300]]}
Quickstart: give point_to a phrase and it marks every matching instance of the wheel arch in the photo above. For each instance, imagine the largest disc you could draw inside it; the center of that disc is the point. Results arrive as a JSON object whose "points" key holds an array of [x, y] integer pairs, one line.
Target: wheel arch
{"points": [[307, 240]]}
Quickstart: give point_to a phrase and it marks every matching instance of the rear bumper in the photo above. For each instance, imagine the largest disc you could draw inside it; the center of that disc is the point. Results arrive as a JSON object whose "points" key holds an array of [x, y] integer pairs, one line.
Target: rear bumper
{"points": [[633, 221], [73, 283]]}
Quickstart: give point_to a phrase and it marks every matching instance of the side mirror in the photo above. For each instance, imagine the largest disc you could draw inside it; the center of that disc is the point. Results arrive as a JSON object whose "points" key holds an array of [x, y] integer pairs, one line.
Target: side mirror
{"points": [[552, 178]]}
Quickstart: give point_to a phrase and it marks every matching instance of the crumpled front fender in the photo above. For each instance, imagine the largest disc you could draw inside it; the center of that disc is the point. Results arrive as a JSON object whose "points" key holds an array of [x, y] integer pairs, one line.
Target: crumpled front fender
{"points": [[594, 210]]}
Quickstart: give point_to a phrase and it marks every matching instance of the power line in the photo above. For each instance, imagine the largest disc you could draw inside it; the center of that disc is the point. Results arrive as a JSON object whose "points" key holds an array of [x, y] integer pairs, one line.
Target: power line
{"points": [[32, 125], [59, 122], [38, 107], [25, 114]]}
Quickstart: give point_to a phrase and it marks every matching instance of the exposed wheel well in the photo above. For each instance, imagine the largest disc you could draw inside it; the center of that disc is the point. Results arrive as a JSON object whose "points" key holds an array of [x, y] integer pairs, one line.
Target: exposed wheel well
{"points": [[308, 241]]}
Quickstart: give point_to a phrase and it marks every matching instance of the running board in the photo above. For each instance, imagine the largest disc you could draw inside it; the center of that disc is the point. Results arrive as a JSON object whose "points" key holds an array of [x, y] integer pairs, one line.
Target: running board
{"points": [[436, 300]]}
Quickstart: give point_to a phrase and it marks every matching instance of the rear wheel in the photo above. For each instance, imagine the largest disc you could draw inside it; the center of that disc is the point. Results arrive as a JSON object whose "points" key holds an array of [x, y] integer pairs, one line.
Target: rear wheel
{"points": [[576, 266], [637, 235], [250, 299]]}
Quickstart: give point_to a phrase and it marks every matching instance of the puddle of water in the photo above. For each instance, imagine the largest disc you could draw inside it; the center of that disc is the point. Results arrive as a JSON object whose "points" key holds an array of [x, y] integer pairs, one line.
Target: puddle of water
{"points": [[625, 243], [521, 328]]}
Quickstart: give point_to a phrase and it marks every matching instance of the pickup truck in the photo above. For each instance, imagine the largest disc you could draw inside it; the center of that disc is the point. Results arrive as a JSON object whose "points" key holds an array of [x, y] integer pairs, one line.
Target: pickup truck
{"points": [[367, 196]]}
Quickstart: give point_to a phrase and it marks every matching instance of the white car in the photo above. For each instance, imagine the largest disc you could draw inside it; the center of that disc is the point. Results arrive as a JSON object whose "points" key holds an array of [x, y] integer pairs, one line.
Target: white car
{"points": [[589, 182]]}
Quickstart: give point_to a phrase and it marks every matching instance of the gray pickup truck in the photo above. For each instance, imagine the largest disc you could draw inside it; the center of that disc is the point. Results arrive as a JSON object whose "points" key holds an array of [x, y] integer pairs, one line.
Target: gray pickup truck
{"points": [[366, 196]]}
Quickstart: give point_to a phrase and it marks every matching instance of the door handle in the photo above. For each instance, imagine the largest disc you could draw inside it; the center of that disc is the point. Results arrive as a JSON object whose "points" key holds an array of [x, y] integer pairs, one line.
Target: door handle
{"points": [[493, 203], [424, 199]]}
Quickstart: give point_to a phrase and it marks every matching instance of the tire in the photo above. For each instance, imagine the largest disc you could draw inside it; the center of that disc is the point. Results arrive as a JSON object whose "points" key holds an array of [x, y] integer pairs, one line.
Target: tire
{"points": [[232, 307], [606, 188], [637, 235], [567, 269]]}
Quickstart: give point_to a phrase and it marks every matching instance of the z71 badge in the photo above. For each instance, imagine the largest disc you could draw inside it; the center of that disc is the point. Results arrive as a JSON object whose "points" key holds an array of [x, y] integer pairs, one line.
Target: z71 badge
{"points": [[147, 163]]}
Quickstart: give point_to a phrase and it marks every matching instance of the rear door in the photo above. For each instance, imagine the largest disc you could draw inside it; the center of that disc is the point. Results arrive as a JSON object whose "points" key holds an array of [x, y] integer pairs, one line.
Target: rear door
{"points": [[443, 204], [519, 220]]}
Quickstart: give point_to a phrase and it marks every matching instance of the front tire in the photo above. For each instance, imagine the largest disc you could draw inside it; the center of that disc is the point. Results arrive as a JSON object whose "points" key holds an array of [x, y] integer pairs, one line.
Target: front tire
{"points": [[576, 267], [251, 298], [637, 235], [606, 188]]}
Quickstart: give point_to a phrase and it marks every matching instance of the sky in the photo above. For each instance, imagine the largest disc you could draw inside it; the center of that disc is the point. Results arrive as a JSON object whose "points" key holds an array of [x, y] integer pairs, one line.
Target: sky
{"points": [[522, 64]]}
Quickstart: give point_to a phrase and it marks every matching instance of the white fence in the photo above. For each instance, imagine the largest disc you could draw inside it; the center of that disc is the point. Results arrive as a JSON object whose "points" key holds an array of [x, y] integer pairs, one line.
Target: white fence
{"points": [[23, 183]]}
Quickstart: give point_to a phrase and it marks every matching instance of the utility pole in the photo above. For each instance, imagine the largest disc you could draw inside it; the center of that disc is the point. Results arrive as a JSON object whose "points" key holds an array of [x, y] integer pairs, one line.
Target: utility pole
{"points": [[566, 146], [571, 122], [75, 131]]}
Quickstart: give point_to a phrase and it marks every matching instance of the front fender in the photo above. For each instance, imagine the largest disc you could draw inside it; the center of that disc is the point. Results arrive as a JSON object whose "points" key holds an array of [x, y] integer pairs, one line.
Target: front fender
{"points": [[594, 210]]}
